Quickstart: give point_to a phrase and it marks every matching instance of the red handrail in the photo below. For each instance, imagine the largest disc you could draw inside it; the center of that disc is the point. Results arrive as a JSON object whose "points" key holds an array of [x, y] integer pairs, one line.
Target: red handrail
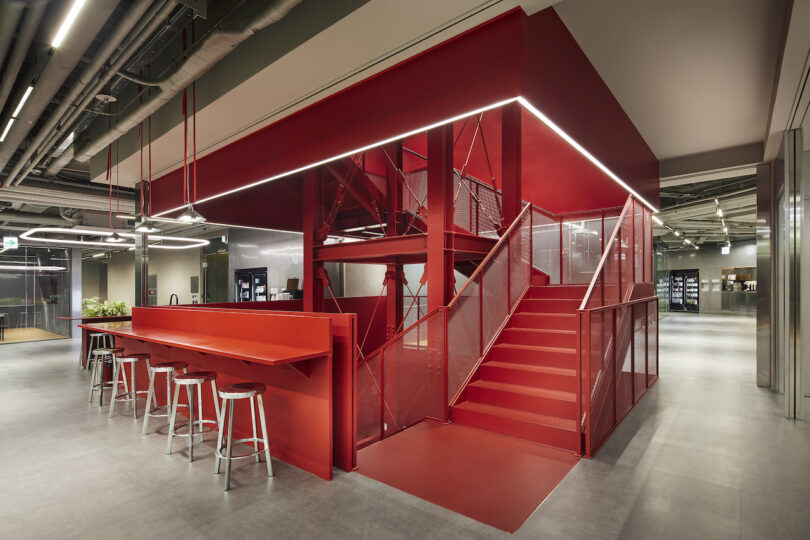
{"points": [[491, 254], [605, 253]]}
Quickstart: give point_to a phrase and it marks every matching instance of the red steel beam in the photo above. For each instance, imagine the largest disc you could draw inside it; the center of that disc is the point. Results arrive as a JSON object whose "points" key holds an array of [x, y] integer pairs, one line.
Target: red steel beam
{"points": [[440, 216], [510, 164]]}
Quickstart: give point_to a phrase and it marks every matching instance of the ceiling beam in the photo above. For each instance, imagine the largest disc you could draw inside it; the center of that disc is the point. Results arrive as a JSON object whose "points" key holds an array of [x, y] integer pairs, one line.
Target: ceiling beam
{"points": [[714, 165]]}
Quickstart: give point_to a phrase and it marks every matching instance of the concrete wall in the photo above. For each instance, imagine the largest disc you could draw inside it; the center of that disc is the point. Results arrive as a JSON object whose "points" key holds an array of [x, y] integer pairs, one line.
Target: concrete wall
{"points": [[710, 261], [174, 270], [90, 276]]}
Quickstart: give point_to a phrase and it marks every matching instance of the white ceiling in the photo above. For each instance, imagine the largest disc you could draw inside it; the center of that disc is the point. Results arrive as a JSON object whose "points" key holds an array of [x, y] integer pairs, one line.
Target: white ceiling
{"points": [[694, 76]]}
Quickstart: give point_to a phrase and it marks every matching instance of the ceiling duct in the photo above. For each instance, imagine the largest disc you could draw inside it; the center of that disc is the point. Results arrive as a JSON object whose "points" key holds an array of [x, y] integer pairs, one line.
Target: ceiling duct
{"points": [[81, 198], [212, 48], [92, 79]]}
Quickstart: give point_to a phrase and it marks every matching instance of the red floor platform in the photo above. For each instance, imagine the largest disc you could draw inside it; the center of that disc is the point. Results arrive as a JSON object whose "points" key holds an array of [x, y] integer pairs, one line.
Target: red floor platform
{"points": [[491, 478]]}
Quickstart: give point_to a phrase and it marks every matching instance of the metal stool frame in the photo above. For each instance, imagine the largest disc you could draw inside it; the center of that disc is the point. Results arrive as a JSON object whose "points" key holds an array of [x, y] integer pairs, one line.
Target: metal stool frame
{"points": [[100, 357], [232, 394], [98, 340], [169, 369], [127, 395], [190, 383]]}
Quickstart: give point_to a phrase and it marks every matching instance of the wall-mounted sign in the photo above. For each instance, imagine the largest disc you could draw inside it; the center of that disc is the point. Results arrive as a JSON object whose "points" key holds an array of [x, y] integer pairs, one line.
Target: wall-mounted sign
{"points": [[11, 242]]}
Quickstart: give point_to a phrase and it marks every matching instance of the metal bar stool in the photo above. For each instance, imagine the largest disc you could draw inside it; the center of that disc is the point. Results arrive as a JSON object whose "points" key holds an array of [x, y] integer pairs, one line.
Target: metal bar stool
{"points": [[169, 368], [97, 340], [192, 380], [250, 391], [99, 358], [129, 394]]}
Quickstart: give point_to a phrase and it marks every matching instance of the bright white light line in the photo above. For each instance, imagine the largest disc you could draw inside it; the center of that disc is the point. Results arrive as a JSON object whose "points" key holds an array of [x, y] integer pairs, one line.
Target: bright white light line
{"points": [[520, 99], [16, 112], [41, 268], [27, 235], [67, 23], [658, 220]]}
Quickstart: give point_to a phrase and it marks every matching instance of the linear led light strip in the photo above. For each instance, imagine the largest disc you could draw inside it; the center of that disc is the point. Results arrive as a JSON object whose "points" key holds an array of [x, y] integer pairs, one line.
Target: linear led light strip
{"points": [[520, 99], [29, 235], [16, 113], [40, 268], [64, 28]]}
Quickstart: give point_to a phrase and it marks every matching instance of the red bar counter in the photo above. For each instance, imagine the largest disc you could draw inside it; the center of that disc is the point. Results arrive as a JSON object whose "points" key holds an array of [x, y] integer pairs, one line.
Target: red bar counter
{"points": [[290, 353]]}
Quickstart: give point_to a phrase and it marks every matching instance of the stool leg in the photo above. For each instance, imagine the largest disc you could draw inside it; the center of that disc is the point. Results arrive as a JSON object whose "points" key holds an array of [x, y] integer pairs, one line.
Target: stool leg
{"points": [[150, 394], [172, 419], [190, 389], [134, 392], [154, 396], [116, 373], [253, 421], [102, 361], [92, 378], [89, 352], [264, 435], [200, 410], [220, 433], [216, 404], [228, 451]]}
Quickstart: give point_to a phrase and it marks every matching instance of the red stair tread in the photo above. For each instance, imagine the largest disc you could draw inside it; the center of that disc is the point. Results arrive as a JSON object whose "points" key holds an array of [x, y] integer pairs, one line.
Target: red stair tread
{"points": [[520, 416], [542, 330], [536, 369], [535, 348], [527, 390]]}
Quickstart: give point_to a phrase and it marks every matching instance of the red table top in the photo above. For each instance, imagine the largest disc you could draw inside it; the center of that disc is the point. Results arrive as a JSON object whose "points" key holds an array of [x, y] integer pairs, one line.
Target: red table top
{"points": [[258, 352]]}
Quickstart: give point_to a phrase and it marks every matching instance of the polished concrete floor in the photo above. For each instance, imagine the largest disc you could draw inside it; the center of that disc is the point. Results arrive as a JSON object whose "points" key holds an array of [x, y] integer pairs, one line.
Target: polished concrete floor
{"points": [[705, 455]]}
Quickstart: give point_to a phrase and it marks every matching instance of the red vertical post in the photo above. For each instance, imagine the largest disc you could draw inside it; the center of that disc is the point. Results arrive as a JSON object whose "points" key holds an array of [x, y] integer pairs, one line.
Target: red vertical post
{"points": [[562, 282], [312, 202], [394, 288], [440, 216], [510, 165]]}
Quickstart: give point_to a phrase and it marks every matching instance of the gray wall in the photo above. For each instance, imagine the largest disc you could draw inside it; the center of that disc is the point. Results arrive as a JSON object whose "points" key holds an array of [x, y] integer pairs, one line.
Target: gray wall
{"points": [[710, 261]]}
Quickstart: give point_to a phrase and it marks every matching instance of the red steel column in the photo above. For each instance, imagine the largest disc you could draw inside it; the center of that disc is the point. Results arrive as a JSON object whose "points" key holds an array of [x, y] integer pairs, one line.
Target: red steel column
{"points": [[394, 289], [440, 216], [510, 168], [312, 202]]}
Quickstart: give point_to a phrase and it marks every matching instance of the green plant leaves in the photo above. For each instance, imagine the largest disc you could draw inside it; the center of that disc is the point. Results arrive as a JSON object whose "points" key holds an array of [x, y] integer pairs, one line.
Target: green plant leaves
{"points": [[93, 307]]}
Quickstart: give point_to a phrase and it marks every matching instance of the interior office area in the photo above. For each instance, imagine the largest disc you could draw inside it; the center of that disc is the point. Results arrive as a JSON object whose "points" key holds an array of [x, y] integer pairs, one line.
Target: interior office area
{"points": [[463, 269]]}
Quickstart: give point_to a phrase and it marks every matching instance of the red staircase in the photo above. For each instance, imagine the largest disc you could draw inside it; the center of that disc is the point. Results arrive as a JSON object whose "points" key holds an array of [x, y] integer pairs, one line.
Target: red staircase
{"points": [[526, 385]]}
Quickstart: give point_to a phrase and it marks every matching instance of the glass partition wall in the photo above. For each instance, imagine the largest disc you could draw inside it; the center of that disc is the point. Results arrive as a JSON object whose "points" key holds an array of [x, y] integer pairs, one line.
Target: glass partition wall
{"points": [[34, 293]]}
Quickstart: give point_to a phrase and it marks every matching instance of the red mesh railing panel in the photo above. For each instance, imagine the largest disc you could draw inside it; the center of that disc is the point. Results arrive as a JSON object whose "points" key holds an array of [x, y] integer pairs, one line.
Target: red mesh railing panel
{"points": [[626, 261], [624, 350], [602, 377], [582, 249], [520, 262], [413, 375], [639, 350], [464, 337], [652, 341], [495, 294], [369, 401], [546, 245]]}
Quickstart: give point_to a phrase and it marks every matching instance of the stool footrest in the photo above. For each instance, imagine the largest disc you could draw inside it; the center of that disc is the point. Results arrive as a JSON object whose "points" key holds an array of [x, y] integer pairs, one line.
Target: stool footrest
{"points": [[218, 452], [196, 423]]}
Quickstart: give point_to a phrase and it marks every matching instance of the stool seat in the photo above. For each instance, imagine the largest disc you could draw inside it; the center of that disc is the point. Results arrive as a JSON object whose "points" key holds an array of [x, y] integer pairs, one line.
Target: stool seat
{"points": [[195, 377], [129, 358], [98, 334], [141, 355], [109, 350], [242, 390], [166, 367]]}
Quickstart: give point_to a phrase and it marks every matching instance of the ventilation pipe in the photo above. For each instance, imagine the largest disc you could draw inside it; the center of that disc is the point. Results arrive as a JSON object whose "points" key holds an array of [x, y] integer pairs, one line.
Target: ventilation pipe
{"points": [[88, 75], [10, 13], [211, 49], [81, 198], [27, 31]]}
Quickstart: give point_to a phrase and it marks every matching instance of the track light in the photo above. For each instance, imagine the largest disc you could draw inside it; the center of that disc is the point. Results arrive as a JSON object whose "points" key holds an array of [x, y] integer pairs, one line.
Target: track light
{"points": [[677, 233], [687, 241], [720, 212], [67, 23], [725, 230]]}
